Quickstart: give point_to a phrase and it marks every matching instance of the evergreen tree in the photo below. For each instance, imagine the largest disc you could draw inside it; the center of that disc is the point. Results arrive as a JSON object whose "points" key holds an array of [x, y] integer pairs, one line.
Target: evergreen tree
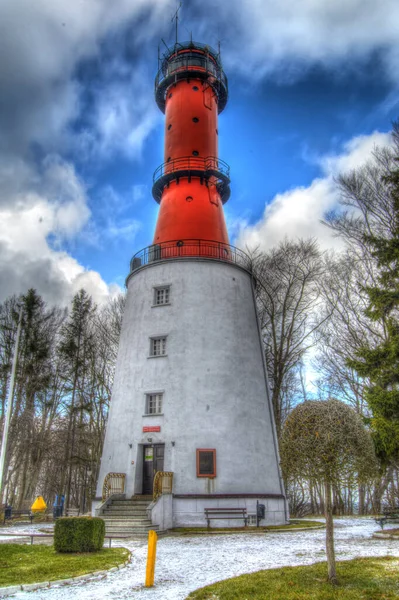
{"points": [[29, 433], [379, 364], [77, 354]]}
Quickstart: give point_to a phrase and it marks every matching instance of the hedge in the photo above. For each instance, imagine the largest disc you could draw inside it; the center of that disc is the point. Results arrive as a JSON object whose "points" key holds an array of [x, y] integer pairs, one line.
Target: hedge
{"points": [[79, 534]]}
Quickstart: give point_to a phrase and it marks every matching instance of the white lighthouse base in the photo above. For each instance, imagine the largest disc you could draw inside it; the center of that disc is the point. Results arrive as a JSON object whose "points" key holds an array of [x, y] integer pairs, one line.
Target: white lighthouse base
{"points": [[208, 376]]}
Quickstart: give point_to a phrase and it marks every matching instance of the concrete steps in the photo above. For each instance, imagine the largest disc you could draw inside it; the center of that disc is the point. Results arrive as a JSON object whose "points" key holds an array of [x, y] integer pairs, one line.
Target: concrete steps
{"points": [[128, 517]]}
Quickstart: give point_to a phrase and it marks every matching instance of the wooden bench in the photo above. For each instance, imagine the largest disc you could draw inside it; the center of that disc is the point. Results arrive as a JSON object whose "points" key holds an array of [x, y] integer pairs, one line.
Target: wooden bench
{"points": [[216, 514], [72, 512], [389, 516], [18, 513]]}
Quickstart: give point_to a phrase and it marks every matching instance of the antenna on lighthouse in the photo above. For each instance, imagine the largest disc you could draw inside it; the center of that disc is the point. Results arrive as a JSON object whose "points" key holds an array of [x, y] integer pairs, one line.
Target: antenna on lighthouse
{"points": [[176, 18]]}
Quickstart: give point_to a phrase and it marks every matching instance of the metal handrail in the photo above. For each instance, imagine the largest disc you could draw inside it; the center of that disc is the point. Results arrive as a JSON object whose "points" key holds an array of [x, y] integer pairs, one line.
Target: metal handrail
{"points": [[190, 45], [192, 163], [114, 483], [163, 483], [190, 248], [190, 62]]}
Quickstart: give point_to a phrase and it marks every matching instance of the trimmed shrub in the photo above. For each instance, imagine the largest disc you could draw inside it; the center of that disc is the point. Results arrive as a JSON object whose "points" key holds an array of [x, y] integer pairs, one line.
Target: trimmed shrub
{"points": [[79, 534]]}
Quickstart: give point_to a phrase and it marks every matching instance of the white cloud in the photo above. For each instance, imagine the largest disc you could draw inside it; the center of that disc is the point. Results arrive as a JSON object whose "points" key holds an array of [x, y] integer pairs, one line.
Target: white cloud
{"points": [[355, 153], [286, 37], [41, 44], [297, 213], [56, 208], [121, 123]]}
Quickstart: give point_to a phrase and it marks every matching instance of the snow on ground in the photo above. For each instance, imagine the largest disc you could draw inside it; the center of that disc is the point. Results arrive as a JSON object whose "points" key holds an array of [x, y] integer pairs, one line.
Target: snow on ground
{"points": [[187, 563]]}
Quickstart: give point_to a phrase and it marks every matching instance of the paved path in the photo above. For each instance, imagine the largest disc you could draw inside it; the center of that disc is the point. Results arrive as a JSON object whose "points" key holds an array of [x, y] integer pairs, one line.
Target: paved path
{"points": [[187, 563]]}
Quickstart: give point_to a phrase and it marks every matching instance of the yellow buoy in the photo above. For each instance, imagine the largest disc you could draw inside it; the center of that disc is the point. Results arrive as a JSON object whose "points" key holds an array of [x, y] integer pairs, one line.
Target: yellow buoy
{"points": [[38, 505]]}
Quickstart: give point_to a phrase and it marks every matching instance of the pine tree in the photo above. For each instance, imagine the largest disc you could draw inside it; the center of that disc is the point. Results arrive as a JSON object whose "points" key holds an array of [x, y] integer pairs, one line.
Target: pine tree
{"points": [[29, 433], [77, 353], [379, 364]]}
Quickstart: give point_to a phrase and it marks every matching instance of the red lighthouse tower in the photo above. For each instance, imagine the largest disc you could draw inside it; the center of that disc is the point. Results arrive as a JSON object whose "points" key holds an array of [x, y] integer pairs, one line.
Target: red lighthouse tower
{"points": [[192, 184], [190, 430]]}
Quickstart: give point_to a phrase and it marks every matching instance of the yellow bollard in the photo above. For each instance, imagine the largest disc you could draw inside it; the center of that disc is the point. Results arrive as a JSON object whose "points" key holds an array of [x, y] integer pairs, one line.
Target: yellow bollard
{"points": [[152, 553]]}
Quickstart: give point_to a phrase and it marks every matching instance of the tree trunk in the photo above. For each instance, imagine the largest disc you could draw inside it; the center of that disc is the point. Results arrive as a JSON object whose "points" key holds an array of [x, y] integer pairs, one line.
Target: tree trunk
{"points": [[362, 499], [332, 572]]}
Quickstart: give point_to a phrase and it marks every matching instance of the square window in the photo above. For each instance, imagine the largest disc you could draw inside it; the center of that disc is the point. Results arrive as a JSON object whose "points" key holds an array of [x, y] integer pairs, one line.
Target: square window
{"points": [[158, 346], [161, 295], [206, 462], [153, 404]]}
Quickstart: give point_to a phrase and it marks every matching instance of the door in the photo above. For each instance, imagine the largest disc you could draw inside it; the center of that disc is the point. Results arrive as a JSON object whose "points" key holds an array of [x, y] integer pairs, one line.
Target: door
{"points": [[152, 462]]}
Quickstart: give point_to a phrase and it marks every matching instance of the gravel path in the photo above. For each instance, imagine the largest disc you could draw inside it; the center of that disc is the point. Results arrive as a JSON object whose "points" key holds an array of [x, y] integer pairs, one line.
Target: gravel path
{"points": [[187, 563]]}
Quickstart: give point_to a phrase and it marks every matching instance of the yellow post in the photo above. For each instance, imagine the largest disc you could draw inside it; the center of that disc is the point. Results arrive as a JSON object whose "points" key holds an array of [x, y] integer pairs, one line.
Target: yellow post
{"points": [[152, 553]]}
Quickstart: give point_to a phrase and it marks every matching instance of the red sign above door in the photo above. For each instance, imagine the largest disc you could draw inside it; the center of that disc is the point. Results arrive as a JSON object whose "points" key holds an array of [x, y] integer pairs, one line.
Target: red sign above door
{"points": [[148, 429]]}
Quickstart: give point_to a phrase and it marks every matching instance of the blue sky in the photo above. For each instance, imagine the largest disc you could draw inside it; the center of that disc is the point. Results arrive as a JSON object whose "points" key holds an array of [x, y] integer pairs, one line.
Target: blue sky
{"points": [[313, 87]]}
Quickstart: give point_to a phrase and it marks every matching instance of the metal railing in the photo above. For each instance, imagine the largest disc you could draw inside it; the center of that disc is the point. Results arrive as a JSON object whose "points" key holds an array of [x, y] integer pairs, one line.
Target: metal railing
{"points": [[163, 483], [189, 248], [114, 483], [191, 59], [211, 169], [180, 47], [192, 163]]}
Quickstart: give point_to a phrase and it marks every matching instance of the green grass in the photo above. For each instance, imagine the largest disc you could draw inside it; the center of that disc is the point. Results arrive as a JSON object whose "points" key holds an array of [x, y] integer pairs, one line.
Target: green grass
{"points": [[297, 524], [359, 579], [30, 564], [293, 524]]}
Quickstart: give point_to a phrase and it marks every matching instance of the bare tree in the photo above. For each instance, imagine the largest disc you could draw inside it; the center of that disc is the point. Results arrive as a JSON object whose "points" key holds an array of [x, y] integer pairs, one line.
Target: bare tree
{"points": [[346, 329], [288, 295]]}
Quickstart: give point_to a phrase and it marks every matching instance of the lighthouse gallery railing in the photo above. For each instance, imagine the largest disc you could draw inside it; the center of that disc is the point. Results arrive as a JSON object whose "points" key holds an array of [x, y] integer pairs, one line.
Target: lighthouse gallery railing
{"points": [[180, 249]]}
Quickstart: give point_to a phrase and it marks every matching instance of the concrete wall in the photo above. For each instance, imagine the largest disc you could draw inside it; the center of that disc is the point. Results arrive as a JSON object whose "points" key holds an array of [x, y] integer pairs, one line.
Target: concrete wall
{"points": [[190, 511], [213, 379], [161, 512]]}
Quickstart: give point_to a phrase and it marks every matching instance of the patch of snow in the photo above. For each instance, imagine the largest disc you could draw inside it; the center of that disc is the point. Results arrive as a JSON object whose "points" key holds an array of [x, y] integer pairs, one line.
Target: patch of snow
{"points": [[187, 563]]}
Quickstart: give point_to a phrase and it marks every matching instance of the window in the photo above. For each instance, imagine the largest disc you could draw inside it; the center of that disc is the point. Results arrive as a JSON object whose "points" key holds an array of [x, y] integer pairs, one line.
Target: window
{"points": [[158, 346], [206, 462], [153, 404], [161, 295]]}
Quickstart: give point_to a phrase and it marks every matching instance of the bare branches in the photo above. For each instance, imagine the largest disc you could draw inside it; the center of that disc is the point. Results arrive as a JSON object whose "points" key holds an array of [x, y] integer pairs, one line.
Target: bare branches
{"points": [[288, 294]]}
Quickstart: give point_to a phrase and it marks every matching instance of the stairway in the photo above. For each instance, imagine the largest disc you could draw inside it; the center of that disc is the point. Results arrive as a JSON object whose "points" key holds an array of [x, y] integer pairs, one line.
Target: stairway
{"points": [[128, 517]]}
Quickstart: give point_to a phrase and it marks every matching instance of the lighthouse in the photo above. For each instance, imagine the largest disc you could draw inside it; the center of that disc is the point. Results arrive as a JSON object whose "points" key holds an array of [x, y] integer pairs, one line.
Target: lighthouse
{"points": [[190, 428]]}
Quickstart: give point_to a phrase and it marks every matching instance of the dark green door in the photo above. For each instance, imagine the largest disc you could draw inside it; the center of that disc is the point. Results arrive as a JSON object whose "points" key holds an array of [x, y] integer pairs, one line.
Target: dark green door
{"points": [[153, 455]]}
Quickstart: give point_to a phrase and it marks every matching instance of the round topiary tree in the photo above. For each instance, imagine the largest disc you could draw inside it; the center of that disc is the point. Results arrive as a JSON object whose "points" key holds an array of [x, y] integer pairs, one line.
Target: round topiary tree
{"points": [[327, 440]]}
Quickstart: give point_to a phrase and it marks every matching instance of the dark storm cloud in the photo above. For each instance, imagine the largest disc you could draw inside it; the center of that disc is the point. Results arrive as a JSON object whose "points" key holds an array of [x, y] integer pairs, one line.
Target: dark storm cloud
{"points": [[19, 272]]}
